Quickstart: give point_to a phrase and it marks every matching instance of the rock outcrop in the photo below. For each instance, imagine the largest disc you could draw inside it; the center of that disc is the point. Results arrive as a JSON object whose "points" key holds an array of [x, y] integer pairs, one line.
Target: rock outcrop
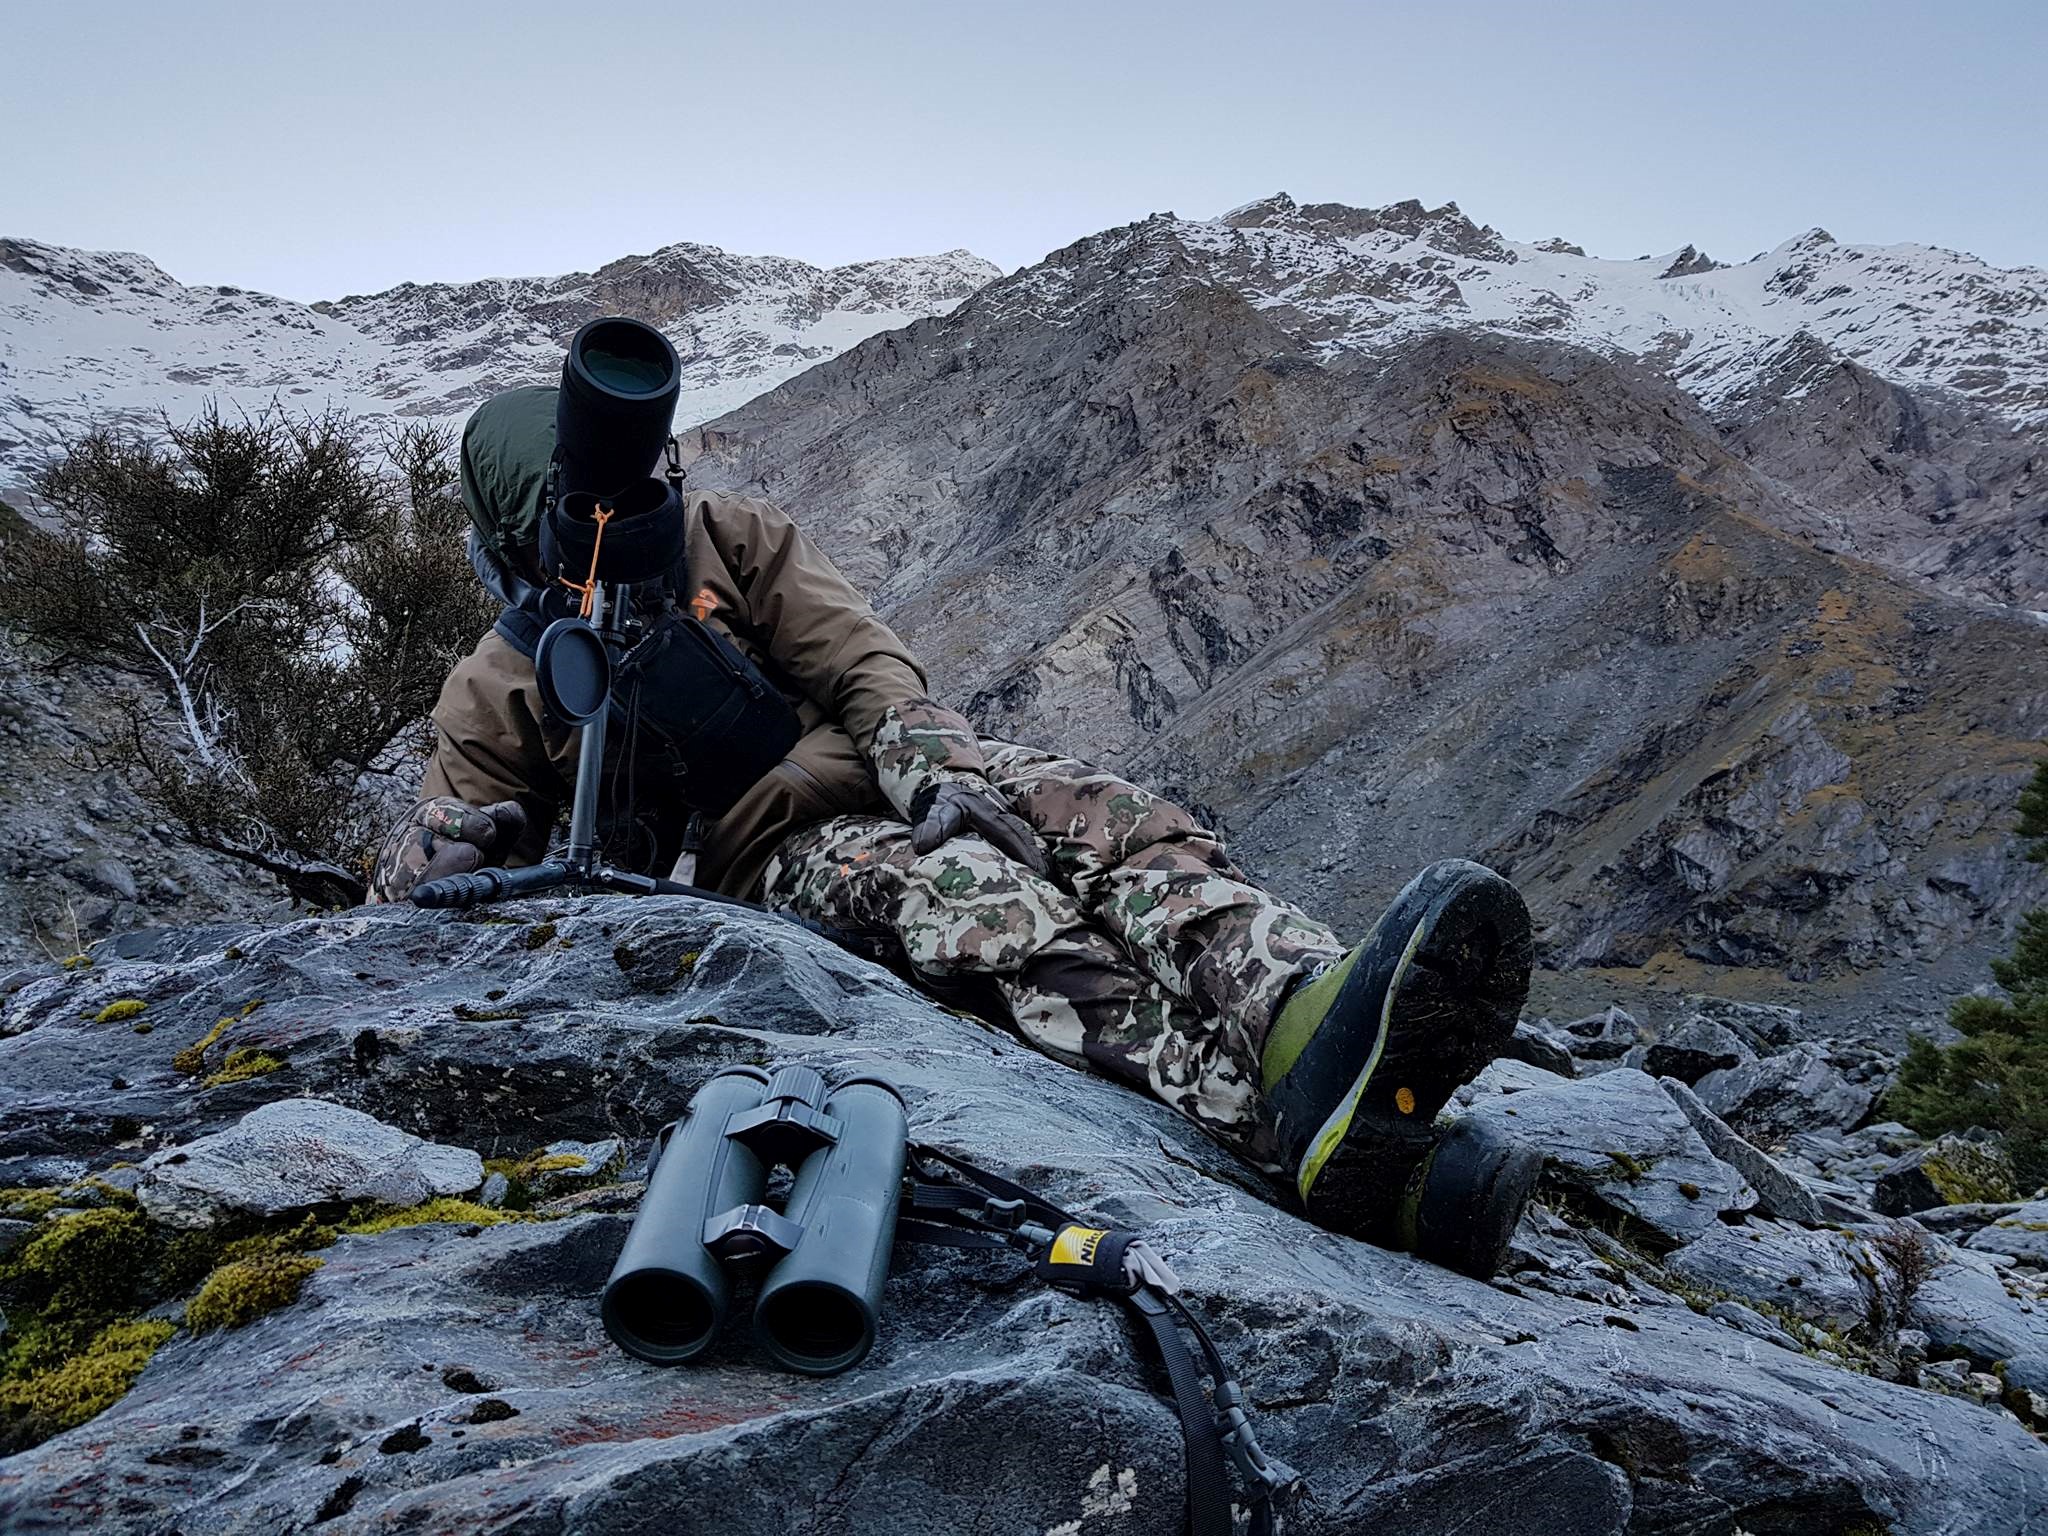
{"points": [[453, 1375], [82, 856], [297, 1153]]}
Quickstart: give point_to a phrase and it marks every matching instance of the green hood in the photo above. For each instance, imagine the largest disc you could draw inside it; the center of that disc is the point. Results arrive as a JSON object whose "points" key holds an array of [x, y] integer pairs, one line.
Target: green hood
{"points": [[505, 452]]}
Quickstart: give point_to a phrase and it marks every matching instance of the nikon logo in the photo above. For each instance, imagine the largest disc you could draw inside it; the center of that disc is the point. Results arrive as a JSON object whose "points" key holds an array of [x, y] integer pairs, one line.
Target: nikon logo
{"points": [[1077, 1245]]}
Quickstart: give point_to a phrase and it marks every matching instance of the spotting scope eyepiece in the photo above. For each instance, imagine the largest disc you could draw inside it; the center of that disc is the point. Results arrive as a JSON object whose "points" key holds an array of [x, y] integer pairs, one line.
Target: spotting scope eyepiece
{"points": [[617, 405]]}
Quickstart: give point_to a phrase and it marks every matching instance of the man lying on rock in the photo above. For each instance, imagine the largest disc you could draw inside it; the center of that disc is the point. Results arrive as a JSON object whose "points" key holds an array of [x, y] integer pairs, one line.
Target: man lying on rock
{"points": [[1114, 927]]}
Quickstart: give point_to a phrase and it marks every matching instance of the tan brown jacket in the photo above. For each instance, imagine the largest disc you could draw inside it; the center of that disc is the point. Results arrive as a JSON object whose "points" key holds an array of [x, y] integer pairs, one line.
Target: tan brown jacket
{"points": [[759, 578]]}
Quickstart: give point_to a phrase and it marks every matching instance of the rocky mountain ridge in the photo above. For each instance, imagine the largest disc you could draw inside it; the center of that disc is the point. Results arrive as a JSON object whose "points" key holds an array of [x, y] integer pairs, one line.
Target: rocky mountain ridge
{"points": [[84, 331], [88, 334], [1355, 280]]}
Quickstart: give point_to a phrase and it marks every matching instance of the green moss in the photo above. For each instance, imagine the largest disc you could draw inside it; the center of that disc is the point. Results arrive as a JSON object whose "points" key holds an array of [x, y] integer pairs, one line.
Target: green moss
{"points": [[1968, 1173], [72, 1294], [145, 1028], [526, 1177], [92, 1190], [539, 934], [686, 962], [242, 1063], [1631, 1168], [245, 1289], [368, 1220], [76, 962], [29, 1204], [192, 1060], [232, 952], [119, 1009], [1689, 1190], [78, 1272], [39, 1404], [25, 1204]]}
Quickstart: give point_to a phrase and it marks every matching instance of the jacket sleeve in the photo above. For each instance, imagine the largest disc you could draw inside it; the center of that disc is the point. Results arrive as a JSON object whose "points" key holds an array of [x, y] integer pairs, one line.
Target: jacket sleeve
{"points": [[489, 744], [822, 632]]}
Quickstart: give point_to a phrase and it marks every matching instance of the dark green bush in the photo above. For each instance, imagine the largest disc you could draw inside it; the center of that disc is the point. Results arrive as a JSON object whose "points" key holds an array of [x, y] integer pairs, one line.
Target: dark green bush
{"points": [[289, 592], [1997, 1074]]}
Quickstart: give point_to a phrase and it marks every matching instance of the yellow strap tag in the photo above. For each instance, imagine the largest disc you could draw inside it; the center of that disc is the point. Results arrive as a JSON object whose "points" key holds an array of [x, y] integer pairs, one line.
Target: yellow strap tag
{"points": [[1077, 1245]]}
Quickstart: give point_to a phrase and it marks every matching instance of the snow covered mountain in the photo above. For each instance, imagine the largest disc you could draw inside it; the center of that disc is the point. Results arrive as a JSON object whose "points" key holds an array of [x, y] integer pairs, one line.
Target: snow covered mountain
{"points": [[1359, 281], [87, 333], [84, 333]]}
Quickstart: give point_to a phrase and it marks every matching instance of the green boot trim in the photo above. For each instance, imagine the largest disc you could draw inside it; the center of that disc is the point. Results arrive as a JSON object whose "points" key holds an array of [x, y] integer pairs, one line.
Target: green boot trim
{"points": [[1295, 1024]]}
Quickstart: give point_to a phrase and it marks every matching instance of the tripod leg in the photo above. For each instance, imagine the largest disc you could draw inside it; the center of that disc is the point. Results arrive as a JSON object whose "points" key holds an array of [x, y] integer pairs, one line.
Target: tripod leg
{"points": [[460, 892]]}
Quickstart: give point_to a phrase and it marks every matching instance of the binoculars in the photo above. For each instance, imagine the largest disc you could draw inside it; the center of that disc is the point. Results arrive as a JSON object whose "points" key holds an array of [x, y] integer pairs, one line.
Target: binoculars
{"points": [[705, 1216]]}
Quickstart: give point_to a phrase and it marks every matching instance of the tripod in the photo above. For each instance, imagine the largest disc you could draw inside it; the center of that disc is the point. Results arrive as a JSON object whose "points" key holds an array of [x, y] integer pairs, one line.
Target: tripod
{"points": [[573, 665]]}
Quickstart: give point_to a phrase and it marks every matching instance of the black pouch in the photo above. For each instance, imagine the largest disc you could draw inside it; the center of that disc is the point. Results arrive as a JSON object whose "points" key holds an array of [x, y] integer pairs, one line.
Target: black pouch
{"points": [[711, 710]]}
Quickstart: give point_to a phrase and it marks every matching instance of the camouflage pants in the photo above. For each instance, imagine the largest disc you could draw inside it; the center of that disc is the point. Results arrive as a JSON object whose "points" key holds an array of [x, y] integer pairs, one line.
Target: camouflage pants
{"points": [[1147, 955]]}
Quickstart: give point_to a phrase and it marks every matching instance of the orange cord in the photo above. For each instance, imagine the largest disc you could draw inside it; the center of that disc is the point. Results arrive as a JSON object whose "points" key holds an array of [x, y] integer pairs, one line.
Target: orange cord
{"points": [[588, 587]]}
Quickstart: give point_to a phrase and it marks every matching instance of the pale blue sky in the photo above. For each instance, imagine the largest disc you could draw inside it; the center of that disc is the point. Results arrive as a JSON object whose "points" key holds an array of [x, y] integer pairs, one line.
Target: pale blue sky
{"points": [[341, 149]]}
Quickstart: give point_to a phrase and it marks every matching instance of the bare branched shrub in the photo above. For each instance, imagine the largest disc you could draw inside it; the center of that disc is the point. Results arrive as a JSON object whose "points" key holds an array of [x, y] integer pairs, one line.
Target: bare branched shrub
{"points": [[291, 592], [1906, 1258]]}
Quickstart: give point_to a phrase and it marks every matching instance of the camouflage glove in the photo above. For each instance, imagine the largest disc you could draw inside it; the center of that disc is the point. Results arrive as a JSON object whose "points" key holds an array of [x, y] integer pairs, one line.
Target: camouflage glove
{"points": [[443, 836], [948, 809], [919, 744]]}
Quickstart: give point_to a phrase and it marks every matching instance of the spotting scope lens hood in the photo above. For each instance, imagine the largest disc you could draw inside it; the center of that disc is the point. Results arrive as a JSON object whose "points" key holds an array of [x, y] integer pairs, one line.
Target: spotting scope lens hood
{"points": [[640, 537], [617, 404]]}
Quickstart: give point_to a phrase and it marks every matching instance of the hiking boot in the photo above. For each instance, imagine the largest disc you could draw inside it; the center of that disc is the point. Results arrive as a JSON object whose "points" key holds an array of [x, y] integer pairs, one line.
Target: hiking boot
{"points": [[1362, 1056]]}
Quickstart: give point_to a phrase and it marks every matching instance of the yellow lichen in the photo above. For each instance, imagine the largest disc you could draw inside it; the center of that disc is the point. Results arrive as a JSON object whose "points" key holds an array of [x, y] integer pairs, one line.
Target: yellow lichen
{"points": [[368, 1220], [244, 1062], [120, 1008], [526, 1177], [192, 1060], [82, 1385], [1965, 1173], [26, 1204], [245, 1289]]}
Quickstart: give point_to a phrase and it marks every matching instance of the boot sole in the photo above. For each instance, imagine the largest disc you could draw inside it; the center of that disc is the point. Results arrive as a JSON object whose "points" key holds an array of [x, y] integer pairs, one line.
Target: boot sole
{"points": [[1447, 1007]]}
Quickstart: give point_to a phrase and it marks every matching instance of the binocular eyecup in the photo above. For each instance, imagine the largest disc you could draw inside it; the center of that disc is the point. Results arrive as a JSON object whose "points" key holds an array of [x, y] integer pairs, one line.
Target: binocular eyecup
{"points": [[826, 1254]]}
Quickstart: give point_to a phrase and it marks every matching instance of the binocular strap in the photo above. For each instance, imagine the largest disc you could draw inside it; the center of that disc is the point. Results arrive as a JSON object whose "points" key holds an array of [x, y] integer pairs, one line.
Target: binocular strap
{"points": [[989, 1211]]}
